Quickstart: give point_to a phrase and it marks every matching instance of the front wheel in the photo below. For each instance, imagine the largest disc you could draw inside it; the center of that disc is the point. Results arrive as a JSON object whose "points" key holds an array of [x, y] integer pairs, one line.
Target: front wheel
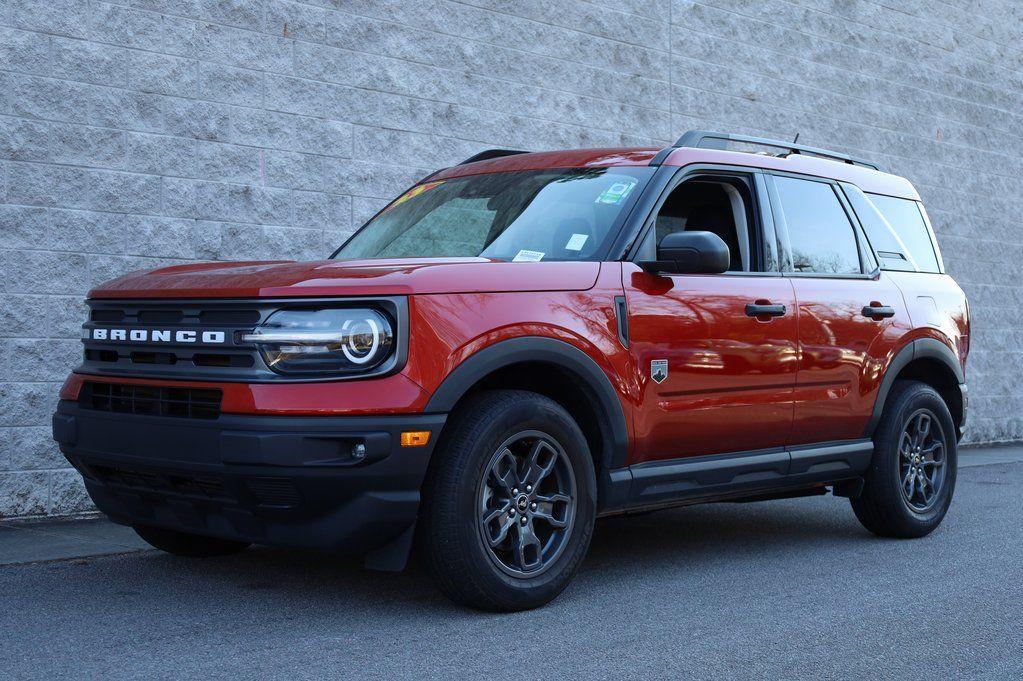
{"points": [[509, 503], [912, 475]]}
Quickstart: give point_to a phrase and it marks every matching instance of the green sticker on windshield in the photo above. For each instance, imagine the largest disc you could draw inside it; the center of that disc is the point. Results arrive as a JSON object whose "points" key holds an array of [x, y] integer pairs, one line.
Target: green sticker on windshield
{"points": [[616, 193]]}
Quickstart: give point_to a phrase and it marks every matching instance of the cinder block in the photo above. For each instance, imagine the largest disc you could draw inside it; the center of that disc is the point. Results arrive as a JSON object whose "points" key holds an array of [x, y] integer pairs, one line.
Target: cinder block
{"points": [[23, 315], [26, 448], [45, 359], [89, 62], [200, 120], [24, 51], [293, 243], [24, 494], [238, 47], [27, 404], [241, 13], [83, 145], [160, 154], [23, 226], [319, 210], [219, 83], [261, 128], [23, 139], [163, 74], [295, 20], [67, 494], [45, 272], [322, 136], [60, 17], [120, 25]]}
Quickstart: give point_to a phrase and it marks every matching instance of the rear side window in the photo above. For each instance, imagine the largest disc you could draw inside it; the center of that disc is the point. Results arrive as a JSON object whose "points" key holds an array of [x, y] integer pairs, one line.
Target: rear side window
{"points": [[821, 238], [907, 227], [893, 254]]}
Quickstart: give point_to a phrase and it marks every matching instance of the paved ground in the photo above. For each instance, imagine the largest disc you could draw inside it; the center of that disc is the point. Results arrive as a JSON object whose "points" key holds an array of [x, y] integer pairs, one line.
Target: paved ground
{"points": [[779, 589]]}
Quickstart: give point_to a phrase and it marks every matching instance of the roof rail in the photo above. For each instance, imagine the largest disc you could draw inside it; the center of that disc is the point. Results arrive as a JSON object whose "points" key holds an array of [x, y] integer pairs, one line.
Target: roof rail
{"points": [[488, 154], [696, 139]]}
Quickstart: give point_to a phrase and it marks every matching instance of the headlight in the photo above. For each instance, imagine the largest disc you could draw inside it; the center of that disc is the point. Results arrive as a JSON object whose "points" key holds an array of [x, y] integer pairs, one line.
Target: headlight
{"points": [[334, 341]]}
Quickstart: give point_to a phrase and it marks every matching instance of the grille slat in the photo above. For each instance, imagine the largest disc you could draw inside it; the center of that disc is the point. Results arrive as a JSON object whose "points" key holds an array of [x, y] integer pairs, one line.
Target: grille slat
{"points": [[191, 485], [274, 493], [126, 398]]}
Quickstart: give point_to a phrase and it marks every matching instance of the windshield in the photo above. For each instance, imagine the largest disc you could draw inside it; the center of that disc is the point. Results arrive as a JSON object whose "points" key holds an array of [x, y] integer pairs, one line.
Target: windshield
{"points": [[558, 214]]}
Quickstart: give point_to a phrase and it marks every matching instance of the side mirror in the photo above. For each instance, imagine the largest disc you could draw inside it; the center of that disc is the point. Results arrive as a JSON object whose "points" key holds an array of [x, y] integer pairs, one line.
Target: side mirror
{"points": [[690, 253]]}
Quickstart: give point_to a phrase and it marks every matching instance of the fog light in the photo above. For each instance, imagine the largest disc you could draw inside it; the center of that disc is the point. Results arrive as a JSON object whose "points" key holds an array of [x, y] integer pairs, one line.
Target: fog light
{"points": [[359, 451], [415, 438]]}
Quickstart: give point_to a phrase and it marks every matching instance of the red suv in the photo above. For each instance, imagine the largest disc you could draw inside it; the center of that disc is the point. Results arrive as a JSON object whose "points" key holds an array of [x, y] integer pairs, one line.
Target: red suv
{"points": [[527, 341]]}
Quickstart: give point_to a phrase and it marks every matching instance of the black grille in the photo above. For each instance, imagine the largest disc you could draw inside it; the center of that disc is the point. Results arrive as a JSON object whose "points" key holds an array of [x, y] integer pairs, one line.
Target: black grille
{"points": [[169, 357], [189, 403], [190, 485], [274, 491]]}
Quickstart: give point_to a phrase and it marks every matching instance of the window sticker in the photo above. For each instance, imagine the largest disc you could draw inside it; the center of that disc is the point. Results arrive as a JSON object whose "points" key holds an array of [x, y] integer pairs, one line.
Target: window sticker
{"points": [[577, 242], [528, 256], [414, 192], [616, 193]]}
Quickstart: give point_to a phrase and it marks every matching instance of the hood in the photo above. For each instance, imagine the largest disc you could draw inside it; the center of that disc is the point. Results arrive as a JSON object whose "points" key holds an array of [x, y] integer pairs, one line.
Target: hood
{"points": [[282, 279]]}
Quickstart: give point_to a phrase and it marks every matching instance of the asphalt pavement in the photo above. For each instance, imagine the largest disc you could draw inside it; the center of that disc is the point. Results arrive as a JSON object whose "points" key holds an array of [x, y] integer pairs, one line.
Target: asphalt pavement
{"points": [[781, 589]]}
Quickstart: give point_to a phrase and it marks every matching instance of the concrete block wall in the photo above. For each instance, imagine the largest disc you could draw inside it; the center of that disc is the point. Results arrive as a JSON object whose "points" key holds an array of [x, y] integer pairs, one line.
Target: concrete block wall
{"points": [[140, 133]]}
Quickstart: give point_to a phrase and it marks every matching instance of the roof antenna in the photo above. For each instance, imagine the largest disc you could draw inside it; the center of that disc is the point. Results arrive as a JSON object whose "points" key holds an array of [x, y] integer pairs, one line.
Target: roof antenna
{"points": [[797, 138]]}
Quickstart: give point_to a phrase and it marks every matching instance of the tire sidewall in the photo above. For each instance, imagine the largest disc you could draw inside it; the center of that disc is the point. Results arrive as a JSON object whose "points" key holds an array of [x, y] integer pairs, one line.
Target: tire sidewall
{"points": [[554, 422], [886, 469]]}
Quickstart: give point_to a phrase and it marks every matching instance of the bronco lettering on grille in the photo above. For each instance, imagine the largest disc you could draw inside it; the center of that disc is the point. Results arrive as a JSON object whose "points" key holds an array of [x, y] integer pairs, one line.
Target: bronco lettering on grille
{"points": [[157, 336]]}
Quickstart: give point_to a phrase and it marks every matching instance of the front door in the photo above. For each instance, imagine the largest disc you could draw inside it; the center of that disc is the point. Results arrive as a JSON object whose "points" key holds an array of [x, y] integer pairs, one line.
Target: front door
{"points": [[715, 376], [716, 354]]}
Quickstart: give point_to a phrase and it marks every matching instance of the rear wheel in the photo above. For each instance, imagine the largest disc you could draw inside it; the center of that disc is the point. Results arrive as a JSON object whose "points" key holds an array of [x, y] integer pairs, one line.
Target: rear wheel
{"points": [[186, 544], [912, 475], [509, 503]]}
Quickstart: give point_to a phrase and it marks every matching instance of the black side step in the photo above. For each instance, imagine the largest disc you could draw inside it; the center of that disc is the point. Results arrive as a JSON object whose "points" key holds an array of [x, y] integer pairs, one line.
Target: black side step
{"points": [[719, 476]]}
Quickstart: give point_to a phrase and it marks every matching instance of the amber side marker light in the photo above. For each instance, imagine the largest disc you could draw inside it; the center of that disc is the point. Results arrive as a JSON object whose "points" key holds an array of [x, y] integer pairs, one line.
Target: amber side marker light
{"points": [[415, 438]]}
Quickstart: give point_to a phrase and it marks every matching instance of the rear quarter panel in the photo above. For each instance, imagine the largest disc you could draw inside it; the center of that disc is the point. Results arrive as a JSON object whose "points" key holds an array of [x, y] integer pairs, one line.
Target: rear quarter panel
{"points": [[937, 308]]}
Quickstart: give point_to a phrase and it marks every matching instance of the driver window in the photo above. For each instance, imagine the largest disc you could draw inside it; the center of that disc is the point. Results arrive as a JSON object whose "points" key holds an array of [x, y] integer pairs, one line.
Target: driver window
{"points": [[719, 206]]}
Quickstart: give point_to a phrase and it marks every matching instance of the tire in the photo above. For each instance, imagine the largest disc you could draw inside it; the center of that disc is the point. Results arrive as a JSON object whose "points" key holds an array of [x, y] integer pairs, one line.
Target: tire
{"points": [[468, 503], [886, 506], [190, 545]]}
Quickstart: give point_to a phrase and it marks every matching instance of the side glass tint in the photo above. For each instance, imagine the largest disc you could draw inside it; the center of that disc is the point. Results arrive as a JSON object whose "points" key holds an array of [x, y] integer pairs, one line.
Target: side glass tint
{"points": [[821, 238], [907, 222]]}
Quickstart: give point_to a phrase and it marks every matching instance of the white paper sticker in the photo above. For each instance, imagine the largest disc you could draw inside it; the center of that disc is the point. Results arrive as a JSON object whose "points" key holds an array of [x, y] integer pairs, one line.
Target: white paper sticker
{"points": [[528, 256], [576, 242]]}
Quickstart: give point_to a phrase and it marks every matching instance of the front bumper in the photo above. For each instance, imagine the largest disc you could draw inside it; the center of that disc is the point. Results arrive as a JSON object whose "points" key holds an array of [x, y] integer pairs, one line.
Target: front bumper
{"points": [[278, 480]]}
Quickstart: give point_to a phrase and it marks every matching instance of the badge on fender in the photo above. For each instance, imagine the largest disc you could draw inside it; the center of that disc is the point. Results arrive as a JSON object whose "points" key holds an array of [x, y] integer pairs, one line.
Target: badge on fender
{"points": [[659, 370]]}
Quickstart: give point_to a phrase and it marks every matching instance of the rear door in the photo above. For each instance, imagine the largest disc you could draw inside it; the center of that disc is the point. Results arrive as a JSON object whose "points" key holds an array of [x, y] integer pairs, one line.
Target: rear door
{"points": [[715, 376], [850, 314]]}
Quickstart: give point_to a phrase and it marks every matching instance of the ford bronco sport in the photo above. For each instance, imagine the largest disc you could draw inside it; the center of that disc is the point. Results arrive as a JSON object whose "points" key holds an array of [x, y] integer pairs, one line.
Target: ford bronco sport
{"points": [[526, 341]]}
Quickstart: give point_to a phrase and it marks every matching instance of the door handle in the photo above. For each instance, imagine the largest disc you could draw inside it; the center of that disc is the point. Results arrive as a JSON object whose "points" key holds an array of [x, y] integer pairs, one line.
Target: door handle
{"points": [[764, 310], [878, 311]]}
